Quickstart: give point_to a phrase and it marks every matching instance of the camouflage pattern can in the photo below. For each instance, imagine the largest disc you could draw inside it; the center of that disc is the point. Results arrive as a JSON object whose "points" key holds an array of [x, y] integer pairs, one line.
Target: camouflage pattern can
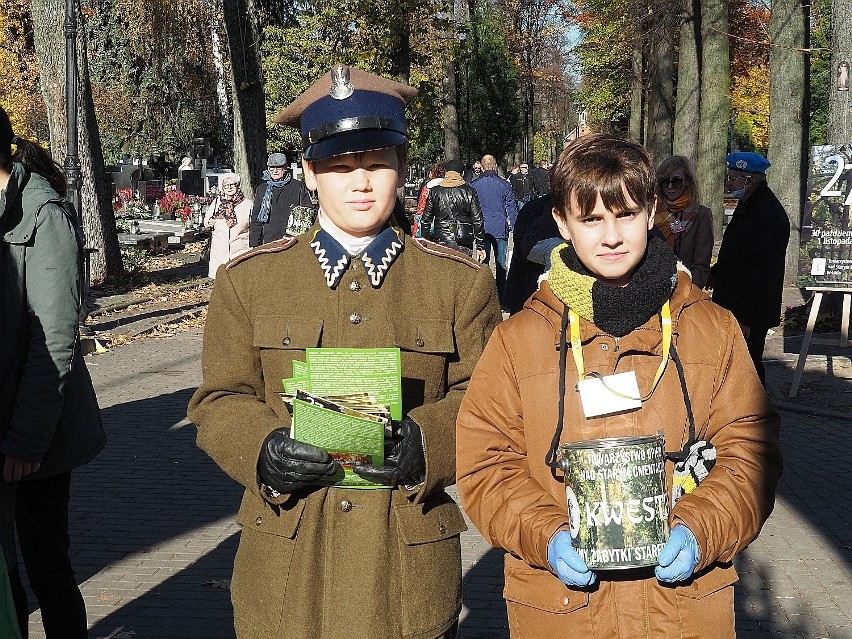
{"points": [[617, 500]]}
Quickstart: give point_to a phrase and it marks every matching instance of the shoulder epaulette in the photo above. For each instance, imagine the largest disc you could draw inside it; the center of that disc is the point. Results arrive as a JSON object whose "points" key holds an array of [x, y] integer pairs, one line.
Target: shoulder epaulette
{"points": [[275, 246], [440, 250]]}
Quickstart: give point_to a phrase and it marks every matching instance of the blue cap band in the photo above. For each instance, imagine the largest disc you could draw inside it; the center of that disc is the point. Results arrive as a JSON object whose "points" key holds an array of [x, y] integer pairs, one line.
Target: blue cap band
{"points": [[360, 103]]}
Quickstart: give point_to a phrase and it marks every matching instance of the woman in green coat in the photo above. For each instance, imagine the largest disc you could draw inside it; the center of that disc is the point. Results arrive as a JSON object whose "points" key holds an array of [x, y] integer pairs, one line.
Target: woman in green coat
{"points": [[49, 417]]}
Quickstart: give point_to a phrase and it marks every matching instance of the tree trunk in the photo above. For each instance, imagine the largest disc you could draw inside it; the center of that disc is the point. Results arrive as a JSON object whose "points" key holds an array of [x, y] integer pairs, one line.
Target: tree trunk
{"points": [[529, 135], [244, 39], [221, 75], [789, 106], [715, 109], [840, 102], [635, 128], [95, 198], [661, 85], [688, 90], [451, 114]]}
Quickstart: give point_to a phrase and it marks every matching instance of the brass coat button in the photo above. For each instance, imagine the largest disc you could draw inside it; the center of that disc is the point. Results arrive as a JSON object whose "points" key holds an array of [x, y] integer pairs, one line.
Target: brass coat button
{"points": [[565, 601], [355, 286], [258, 521], [442, 528], [286, 341], [355, 318], [420, 343], [604, 347], [346, 505]]}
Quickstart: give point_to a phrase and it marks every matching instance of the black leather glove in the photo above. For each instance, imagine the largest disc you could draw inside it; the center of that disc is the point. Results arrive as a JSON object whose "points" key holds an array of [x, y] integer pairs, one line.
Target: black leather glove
{"points": [[405, 461], [286, 465]]}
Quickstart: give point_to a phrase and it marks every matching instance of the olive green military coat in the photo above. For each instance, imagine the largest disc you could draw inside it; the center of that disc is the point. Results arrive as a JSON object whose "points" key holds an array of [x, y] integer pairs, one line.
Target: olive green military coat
{"points": [[331, 562]]}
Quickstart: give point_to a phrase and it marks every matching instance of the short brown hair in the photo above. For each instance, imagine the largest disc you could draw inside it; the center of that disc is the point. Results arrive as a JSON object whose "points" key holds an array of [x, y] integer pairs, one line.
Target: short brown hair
{"points": [[606, 166]]}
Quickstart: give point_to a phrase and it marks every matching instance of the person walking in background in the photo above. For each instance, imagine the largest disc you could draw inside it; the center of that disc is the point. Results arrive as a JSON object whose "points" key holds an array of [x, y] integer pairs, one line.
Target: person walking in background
{"points": [[50, 422], [628, 310], [540, 179], [453, 216], [499, 211], [522, 184], [333, 562], [474, 172], [748, 276], [282, 204], [436, 176], [228, 215], [522, 278], [684, 223]]}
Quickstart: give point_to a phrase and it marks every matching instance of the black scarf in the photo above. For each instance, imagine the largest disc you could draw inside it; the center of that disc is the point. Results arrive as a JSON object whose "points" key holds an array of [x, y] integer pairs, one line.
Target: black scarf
{"points": [[617, 310]]}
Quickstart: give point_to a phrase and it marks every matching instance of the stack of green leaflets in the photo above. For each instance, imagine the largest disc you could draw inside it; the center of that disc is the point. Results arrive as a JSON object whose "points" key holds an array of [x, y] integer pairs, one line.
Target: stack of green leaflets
{"points": [[343, 400]]}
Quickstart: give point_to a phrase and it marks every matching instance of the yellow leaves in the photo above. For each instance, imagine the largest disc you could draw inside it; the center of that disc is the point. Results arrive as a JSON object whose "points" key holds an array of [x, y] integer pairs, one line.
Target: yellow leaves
{"points": [[20, 96], [750, 104]]}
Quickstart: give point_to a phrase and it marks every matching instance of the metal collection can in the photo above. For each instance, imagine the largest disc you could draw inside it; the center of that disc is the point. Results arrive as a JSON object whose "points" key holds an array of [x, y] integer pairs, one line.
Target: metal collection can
{"points": [[617, 500]]}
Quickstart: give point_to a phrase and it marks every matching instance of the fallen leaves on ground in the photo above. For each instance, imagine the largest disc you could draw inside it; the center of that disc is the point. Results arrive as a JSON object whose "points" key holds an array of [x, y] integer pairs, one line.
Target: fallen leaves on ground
{"points": [[157, 296], [190, 323]]}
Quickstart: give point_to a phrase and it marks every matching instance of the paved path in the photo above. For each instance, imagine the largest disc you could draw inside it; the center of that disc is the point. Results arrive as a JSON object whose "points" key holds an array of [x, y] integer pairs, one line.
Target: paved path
{"points": [[154, 537]]}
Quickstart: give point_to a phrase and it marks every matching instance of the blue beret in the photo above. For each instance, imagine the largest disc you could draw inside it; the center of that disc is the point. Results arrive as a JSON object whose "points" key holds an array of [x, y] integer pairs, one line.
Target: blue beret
{"points": [[348, 111], [747, 162]]}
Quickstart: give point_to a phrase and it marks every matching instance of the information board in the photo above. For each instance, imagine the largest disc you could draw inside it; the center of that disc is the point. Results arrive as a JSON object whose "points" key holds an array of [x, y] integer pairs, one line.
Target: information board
{"points": [[826, 239]]}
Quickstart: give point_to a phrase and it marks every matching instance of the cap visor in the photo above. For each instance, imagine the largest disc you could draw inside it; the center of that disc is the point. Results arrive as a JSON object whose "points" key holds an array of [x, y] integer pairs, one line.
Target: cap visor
{"points": [[353, 142]]}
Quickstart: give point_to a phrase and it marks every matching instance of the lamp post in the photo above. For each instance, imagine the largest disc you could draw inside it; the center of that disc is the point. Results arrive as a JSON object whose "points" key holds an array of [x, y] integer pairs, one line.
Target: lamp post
{"points": [[72, 155]]}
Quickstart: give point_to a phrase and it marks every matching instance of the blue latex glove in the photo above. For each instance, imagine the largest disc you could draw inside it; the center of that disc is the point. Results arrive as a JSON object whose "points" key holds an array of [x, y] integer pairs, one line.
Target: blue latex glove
{"points": [[566, 561], [679, 557]]}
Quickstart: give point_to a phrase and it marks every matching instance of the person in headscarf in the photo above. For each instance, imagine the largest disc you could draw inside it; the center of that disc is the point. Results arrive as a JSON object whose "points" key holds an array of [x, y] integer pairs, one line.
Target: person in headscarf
{"points": [[282, 204], [685, 225], [228, 216]]}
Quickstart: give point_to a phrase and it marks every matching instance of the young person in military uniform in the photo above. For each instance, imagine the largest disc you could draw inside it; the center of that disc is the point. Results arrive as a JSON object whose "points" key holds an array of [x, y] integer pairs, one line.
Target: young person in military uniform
{"points": [[336, 562]]}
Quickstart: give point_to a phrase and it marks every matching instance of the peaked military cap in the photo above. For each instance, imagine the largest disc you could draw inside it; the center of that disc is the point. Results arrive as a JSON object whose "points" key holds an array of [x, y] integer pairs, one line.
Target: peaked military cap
{"points": [[747, 162], [349, 110]]}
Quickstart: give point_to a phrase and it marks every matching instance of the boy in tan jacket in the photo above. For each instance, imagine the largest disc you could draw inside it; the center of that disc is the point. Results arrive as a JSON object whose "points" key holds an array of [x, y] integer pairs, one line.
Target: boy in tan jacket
{"points": [[617, 290]]}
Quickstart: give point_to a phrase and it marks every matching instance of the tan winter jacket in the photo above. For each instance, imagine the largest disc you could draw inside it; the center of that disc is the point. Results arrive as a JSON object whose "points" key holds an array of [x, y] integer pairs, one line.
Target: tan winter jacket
{"points": [[505, 426]]}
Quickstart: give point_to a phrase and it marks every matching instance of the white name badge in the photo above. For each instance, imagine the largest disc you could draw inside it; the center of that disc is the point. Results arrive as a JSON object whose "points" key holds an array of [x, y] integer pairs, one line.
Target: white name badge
{"points": [[598, 398]]}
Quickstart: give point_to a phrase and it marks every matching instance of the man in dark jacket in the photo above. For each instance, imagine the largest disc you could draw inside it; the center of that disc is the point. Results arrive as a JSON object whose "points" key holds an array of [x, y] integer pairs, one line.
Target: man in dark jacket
{"points": [[49, 417], [748, 276], [499, 210], [282, 205], [534, 223], [453, 216], [540, 179], [522, 185], [474, 172]]}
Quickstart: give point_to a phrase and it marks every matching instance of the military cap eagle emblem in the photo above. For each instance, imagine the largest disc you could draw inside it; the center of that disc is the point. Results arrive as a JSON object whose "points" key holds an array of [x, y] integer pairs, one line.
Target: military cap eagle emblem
{"points": [[341, 87]]}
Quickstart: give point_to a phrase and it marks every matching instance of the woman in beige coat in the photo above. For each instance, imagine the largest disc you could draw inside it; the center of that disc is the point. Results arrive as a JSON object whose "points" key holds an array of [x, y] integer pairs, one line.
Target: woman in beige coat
{"points": [[615, 288], [228, 215]]}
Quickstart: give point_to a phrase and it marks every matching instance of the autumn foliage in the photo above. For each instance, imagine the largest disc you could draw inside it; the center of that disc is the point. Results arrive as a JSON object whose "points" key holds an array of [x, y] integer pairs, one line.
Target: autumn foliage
{"points": [[20, 95]]}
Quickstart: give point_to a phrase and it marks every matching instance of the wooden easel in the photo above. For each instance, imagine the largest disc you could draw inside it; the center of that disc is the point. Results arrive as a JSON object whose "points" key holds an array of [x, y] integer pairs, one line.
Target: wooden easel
{"points": [[843, 341]]}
